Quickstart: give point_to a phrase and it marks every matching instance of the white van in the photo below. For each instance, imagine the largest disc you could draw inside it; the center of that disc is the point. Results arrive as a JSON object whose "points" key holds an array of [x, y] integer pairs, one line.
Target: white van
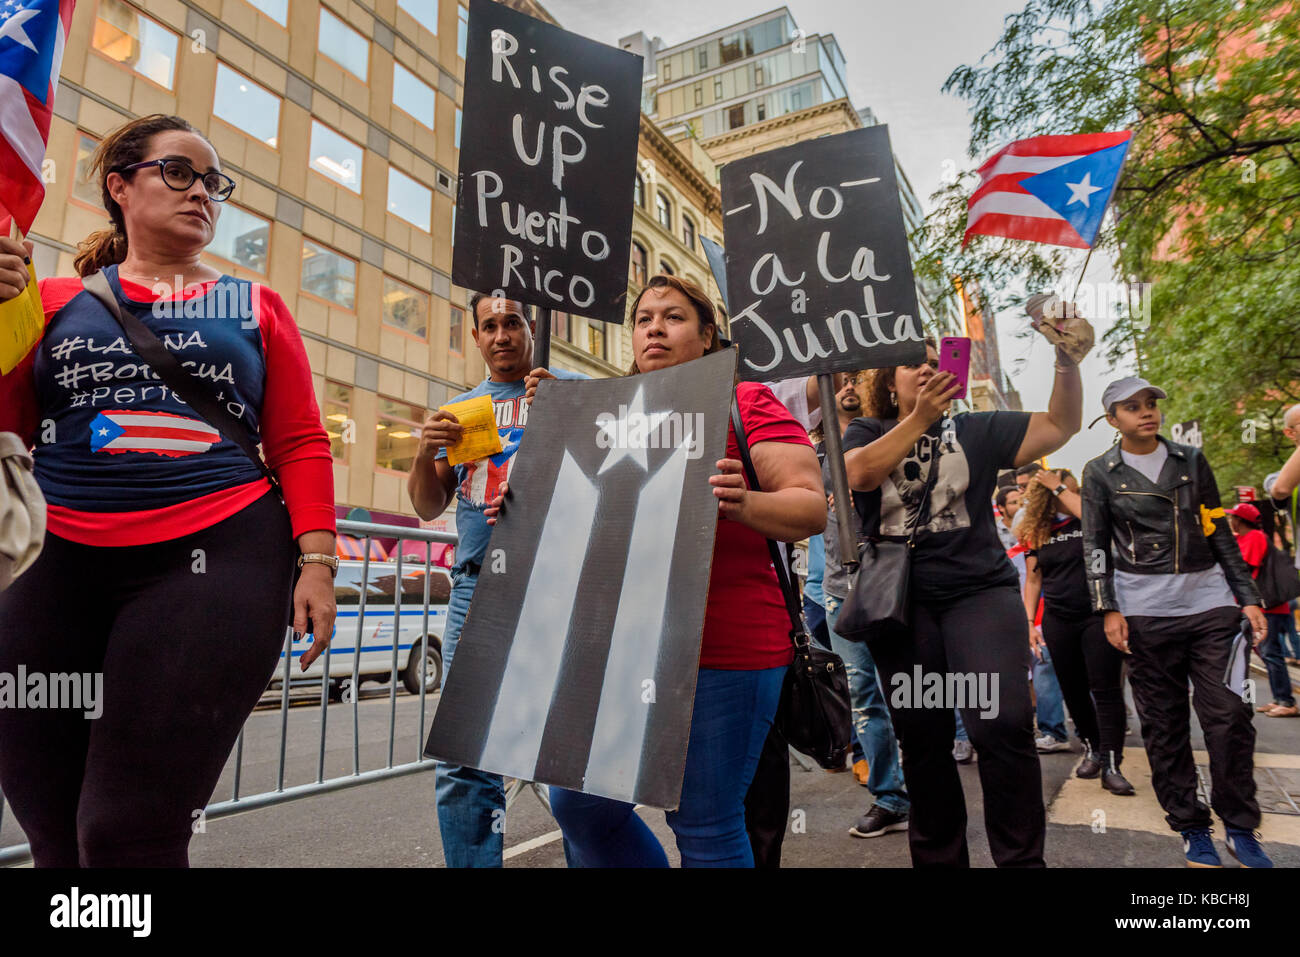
{"points": [[419, 652]]}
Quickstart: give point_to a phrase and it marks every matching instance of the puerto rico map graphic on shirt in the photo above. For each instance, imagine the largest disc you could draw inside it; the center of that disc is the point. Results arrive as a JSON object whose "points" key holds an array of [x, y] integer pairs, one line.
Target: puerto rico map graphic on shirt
{"points": [[135, 430], [901, 493], [483, 479]]}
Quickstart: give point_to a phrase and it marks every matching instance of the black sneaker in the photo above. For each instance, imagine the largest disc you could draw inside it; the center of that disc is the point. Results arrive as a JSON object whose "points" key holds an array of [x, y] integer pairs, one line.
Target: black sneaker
{"points": [[878, 821]]}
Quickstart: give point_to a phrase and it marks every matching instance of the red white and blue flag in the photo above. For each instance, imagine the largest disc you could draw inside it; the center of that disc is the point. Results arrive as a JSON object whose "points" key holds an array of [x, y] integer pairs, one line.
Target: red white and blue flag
{"points": [[32, 36], [1048, 189], [158, 432]]}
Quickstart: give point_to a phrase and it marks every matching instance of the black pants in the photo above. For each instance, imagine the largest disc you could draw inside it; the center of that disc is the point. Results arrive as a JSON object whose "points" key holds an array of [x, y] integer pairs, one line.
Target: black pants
{"points": [[1089, 670], [1165, 652], [186, 634], [985, 634], [767, 803]]}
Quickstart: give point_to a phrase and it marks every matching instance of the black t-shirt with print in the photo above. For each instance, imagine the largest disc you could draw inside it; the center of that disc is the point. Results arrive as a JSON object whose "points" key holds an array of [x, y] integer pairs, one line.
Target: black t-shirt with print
{"points": [[957, 546], [1060, 562]]}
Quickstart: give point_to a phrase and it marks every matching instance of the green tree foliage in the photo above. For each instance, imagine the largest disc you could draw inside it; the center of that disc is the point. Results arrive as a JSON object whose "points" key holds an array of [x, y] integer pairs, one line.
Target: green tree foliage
{"points": [[1208, 207]]}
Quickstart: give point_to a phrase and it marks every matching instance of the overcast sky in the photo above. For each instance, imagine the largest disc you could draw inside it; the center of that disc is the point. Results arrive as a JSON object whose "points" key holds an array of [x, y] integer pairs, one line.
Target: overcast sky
{"points": [[898, 56]]}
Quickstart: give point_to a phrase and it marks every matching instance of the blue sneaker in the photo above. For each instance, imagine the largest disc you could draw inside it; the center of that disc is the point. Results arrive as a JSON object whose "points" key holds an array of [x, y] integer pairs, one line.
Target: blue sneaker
{"points": [[1199, 849], [1244, 846]]}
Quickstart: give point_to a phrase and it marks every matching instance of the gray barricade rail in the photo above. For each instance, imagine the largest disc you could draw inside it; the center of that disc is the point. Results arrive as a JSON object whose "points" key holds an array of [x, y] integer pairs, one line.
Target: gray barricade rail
{"points": [[237, 802]]}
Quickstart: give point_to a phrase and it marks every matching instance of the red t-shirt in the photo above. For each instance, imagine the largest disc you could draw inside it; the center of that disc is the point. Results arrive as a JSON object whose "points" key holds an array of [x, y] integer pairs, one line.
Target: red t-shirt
{"points": [[746, 625], [1254, 546]]}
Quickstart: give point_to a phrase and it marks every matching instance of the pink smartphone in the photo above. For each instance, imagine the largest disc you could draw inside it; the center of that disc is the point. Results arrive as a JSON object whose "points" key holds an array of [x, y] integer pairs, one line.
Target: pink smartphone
{"points": [[954, 357]]}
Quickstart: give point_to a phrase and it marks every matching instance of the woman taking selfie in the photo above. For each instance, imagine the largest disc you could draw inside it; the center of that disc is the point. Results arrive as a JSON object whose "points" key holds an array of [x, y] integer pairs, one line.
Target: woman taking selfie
{"points": [[168, 559], [746, 647], [1088, 668], [966, 611]]}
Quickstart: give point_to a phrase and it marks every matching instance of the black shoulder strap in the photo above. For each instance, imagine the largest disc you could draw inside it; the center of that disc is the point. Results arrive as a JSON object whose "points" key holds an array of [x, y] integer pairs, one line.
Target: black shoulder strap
{"points": [[798, 629], [196, 395]]}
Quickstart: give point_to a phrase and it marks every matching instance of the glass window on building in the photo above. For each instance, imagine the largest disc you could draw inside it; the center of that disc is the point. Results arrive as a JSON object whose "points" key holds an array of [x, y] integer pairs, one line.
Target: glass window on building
{"points": [[413, 95], [246, 106], [82, 188], [560, 324], [345, 46], [462, 30], [761, 110], [638, 191], [456, 331], [424, 11], [241, 237], [688, 232], [668, 70], [664, 211], [699, 94], [124, 34], [458, 127], [336, 156], [339, 425], [399, 434], [666, 268], [277, 10], [406, 308], [409, 199], [640, 263], [328, 275], [704, 58], [736, 117], [596, 338]]}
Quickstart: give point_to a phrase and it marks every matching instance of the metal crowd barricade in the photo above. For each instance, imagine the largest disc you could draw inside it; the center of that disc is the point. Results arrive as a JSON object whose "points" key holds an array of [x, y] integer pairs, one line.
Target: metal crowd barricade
{"points": [[19, 853]]}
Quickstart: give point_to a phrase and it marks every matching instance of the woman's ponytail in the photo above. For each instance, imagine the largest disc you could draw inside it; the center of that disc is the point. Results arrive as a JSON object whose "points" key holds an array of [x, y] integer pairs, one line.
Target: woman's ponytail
{"points": [[104, 247]]}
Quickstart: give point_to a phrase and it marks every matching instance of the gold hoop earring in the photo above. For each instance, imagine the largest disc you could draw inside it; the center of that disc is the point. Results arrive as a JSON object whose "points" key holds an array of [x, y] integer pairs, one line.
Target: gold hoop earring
{"points": [[893, 399]]}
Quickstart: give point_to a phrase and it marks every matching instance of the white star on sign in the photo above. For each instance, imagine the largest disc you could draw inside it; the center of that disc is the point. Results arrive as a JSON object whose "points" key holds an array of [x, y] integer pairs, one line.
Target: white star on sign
{"points": [[611, 429], [1079, 192], [103, 431], [13, 28]]}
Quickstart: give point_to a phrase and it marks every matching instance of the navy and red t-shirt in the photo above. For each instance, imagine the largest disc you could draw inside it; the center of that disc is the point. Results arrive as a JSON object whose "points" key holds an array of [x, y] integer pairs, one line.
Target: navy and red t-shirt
{"points": [[120, 459], [746, 625]]}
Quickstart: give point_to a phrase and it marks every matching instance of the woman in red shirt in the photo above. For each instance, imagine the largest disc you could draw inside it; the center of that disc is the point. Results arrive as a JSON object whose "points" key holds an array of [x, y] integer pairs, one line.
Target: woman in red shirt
{"points": [[163, 590], [746, 647]]}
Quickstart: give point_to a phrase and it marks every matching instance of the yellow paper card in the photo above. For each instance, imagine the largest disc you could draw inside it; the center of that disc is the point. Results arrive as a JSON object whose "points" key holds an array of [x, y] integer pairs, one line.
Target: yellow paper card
{"points": [[480, 439], [22, 320]]}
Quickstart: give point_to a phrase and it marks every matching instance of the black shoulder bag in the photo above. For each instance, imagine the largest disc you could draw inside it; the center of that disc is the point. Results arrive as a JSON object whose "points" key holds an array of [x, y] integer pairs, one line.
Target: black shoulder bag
{"points": [[879, 604], [196, 395], [813, 715]]}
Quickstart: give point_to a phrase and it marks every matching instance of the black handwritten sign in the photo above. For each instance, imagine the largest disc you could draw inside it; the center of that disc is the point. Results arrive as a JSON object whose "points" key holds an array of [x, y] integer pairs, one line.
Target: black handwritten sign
{"points": [[547, 165], [818, 271]]}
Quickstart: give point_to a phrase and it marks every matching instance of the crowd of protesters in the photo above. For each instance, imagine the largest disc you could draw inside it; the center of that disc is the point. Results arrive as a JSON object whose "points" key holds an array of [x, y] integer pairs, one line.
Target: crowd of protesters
{"points": [[1059, 590]]}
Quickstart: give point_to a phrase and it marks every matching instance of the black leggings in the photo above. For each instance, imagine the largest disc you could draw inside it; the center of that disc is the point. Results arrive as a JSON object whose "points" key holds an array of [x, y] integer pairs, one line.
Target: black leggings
{"points": [[983, 634], [1088, 668], [186, 634]]}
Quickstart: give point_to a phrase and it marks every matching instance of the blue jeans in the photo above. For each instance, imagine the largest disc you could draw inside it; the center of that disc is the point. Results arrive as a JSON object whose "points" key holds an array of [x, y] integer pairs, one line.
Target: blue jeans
{"points": [[872, 725], [1271, 650], [960, 734], [471, 803], [733, 714], [1051, 703], [1290, 637]]}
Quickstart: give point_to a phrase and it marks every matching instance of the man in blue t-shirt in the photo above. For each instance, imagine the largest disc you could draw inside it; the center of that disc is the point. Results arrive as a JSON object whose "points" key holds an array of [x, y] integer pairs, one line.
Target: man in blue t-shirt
{"points": [[471, 803]]}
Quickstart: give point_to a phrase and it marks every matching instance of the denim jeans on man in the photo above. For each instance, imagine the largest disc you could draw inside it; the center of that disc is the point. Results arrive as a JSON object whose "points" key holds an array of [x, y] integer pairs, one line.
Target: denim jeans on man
{"points": [[471, 803], [871, 722], [733, 714], [1051, 703], [1272, 651]]}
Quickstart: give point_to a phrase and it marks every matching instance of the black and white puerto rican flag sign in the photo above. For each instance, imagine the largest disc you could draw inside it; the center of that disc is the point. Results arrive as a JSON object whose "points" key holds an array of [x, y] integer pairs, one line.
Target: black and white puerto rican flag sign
{"points": [[578, 660], [819, 278]]}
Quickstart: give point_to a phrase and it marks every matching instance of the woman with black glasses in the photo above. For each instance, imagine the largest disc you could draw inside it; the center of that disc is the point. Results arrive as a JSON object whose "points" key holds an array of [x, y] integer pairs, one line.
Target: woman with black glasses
{"points": [[164, 583]]}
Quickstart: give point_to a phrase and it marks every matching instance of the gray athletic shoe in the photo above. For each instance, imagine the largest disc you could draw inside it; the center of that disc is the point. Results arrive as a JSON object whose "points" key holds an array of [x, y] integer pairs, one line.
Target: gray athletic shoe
{"points": [[962, 752], [1047, 744]]}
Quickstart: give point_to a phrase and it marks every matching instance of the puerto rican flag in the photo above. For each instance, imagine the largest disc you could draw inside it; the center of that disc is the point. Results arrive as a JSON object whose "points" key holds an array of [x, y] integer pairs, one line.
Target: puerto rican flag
{"points": [[159, 432], [1048, 189], [32, 36]]}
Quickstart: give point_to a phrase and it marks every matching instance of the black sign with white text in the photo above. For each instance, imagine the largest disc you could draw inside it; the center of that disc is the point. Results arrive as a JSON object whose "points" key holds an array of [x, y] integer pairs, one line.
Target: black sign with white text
{"points": [[547, 165], [818, 271]]}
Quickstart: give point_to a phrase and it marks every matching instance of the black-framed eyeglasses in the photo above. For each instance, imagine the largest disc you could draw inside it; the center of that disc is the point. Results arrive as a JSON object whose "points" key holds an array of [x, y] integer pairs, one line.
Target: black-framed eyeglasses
{"points": [[180, 176]]}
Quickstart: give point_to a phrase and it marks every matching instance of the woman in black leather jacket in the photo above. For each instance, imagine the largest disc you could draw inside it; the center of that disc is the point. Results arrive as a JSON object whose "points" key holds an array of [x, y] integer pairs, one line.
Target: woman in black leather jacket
{"points": [[1167, 573]]}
